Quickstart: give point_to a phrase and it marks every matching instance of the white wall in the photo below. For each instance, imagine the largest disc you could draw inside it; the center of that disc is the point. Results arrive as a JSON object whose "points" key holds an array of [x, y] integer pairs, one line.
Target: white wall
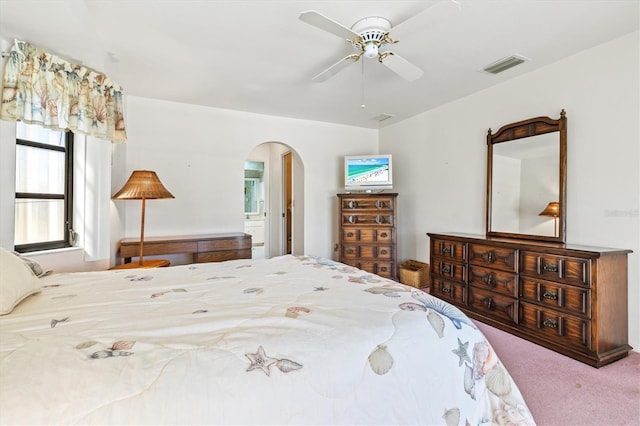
{"points": [[442, 155], [506, 191], [199, 153], [7, 183]]}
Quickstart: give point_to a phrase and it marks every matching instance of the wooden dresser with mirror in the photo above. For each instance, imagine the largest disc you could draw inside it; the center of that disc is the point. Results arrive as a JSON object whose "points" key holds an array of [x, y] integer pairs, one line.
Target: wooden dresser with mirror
{"points": [[521, 276]]}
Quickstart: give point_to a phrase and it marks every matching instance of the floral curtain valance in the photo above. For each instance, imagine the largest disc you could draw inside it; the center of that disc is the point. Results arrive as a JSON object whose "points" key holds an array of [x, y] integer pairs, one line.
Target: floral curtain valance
{"points": [[41, 88]]}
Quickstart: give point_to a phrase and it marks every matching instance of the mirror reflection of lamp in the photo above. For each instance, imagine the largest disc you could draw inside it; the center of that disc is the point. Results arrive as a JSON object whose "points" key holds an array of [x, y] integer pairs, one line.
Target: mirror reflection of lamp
{"points": [[552, 210]]}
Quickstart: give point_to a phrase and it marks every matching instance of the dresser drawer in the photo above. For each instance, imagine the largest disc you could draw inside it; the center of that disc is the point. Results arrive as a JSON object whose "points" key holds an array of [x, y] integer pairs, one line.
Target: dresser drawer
{"points": [[553, 295], [222, 255], [565, 269], [382, 268], [449, 249], [368, 203], [492, 279], [368, 235], [353, 251], [497, 257], [156, 248], [562, 328], [224, 244], [449, 270], [449, 290], [358, 219], [494, 305]]}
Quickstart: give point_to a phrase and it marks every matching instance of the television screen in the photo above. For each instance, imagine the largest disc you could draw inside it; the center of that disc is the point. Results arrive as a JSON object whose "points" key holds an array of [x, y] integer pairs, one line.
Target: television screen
{"points": [[368, 172]]}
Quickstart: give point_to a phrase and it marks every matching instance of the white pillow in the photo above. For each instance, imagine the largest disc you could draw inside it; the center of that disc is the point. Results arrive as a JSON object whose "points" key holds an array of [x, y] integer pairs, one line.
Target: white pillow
{"points": [[17, 281], [33, 264]]}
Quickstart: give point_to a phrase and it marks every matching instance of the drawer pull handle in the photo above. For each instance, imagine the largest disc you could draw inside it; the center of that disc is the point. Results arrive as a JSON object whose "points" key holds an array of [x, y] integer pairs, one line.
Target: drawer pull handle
{"points": [[351, 219], [379, 204], [446, 290], [383, 251], [383, 268], [444, 250], [378, 219], [490, 303], [351, 204], [550, 267], [349, 234], [550, 323], [548, 294], [350, 251], [445, 269], [384, 235], [490, 282], [490, 258]]}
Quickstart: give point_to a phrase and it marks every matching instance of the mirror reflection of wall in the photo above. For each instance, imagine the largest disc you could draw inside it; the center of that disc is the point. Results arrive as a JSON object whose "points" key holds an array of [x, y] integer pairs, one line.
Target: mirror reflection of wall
{"points": [[253, 188], [525, 179]]}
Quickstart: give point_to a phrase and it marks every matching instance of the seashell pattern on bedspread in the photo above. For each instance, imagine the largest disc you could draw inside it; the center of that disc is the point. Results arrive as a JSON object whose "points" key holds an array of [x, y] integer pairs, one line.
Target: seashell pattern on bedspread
{"points": [[287, 340]]}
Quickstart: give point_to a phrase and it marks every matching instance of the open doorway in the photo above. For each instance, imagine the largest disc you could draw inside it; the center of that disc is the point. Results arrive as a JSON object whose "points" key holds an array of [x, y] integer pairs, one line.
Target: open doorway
{"points": [[279, 228], [287, 191]]}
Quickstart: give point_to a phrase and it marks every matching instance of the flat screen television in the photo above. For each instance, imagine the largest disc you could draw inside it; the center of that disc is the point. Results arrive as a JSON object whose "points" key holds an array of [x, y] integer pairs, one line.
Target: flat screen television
{"points": [[368, 172]]}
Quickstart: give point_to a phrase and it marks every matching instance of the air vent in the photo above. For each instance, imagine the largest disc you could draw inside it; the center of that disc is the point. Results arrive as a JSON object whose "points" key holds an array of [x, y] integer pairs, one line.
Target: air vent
{"points": [[382, 117], [504, 64]]}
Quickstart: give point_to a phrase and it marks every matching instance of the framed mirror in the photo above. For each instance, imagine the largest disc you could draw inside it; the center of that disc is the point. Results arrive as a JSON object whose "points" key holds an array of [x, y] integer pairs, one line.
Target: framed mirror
{"points": [[526, 180]]}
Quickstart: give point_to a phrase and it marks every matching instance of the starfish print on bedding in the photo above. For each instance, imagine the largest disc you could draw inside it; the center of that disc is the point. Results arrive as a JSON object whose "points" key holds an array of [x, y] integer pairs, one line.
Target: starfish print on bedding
{"points": [[462, 352], [260, 360]]}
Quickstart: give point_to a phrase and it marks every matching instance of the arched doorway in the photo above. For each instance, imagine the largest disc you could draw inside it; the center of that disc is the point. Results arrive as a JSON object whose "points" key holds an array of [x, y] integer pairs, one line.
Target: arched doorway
{"points": [[274, 171]]}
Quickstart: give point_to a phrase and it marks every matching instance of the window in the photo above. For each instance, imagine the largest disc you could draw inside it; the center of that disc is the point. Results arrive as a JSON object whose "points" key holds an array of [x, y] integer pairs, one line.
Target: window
{"points": [[44, 188]]}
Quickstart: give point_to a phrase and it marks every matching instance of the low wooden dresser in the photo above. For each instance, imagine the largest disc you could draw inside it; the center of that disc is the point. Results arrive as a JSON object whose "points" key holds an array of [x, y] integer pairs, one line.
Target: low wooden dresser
{"points": [[571, 299], [368, 232], [203, 248]]}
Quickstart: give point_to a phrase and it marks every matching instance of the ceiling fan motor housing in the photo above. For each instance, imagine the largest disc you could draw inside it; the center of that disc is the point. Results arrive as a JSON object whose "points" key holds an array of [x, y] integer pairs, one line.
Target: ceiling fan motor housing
{"points": [[372, 31]]}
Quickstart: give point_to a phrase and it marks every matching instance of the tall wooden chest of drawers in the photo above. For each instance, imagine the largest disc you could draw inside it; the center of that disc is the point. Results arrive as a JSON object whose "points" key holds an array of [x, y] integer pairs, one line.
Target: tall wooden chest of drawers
{"points": [[568, 298], [368, 232]]}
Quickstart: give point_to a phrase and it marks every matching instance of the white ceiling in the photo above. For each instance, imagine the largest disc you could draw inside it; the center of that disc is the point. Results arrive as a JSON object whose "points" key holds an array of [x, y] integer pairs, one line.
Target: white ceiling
{"points": [[257, 56]]}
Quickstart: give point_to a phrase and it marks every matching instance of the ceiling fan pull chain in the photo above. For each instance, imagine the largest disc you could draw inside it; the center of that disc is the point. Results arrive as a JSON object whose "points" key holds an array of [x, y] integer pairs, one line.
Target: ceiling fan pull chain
{"points": [[362, 104]]}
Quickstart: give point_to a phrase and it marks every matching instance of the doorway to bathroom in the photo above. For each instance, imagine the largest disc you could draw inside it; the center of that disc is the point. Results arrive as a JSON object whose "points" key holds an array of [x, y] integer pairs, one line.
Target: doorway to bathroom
{"points": [[274, 200]]}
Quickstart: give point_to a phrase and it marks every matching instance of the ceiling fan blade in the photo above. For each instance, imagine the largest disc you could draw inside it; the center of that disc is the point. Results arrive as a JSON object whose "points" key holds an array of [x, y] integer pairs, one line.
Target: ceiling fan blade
{"points": [[335, 68], [327, 24], [401, 66]]}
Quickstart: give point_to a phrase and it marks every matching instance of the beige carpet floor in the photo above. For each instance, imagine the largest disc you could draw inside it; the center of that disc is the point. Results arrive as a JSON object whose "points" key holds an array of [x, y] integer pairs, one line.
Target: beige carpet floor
{"points": [[563, 392]]}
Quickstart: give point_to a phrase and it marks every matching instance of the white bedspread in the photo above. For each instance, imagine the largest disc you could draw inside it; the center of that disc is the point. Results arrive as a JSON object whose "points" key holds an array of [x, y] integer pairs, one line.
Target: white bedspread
{"points": [[289, 340]]}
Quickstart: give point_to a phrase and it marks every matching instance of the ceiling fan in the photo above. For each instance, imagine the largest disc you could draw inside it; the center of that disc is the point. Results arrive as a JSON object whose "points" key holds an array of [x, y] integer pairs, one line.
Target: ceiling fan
{"points": [[370, 38]]}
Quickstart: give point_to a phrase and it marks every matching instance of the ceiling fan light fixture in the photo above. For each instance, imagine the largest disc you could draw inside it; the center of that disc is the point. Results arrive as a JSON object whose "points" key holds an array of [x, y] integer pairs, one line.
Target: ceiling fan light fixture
{"points": [[370, 50]]}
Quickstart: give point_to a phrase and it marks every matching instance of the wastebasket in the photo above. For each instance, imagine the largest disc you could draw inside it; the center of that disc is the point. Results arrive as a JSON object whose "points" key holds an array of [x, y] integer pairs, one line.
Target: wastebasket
{"points": [[415, 274]]}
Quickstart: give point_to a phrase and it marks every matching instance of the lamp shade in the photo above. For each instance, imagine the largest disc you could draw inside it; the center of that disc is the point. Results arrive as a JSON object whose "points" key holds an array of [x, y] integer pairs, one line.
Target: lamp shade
{"points": [[142, 184], [552, 210]]}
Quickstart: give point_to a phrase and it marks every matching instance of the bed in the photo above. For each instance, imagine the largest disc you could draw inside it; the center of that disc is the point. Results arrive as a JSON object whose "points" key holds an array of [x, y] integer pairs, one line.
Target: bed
{"points": [[287, 340]]}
